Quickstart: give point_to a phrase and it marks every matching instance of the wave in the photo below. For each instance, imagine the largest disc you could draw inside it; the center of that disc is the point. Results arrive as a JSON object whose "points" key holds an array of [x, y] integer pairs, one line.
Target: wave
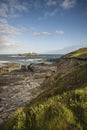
{"points": [[29, 60], [34, 59], [4, 62], [16, 56]]}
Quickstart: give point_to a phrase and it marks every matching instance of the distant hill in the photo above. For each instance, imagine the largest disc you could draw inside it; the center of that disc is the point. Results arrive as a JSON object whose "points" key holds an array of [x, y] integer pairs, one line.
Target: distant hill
{"points": [[63, 104]]}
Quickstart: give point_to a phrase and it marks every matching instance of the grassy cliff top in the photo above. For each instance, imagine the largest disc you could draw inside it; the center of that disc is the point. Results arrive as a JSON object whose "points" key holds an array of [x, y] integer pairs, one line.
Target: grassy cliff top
{"points": [[81, 53]]}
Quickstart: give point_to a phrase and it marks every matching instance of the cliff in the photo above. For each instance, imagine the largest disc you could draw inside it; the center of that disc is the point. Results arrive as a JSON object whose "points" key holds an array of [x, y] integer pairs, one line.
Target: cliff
{"points": [[79, 54], [63, 104]]}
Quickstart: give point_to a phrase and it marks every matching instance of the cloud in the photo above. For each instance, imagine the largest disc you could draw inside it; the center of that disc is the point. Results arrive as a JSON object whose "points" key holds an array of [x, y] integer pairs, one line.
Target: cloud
{"points": [[6, 43], [3, 10], [53, 13], [3, 21], [21, 8], [15, 8], [51, 2], [7, 29], [12, 8], [7, 32], [18, 7], [60, 32], [36, 34], [66, 4], [49, 14]]}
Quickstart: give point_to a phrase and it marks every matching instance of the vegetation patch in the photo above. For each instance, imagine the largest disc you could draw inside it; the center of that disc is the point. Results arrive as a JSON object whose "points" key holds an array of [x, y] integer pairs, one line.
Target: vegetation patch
{"points": [[81, 53]]}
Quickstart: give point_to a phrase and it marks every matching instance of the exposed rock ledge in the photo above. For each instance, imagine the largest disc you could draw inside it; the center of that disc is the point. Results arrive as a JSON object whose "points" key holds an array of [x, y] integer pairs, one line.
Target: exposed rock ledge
{"points": [[19, 87], [8, 67]]}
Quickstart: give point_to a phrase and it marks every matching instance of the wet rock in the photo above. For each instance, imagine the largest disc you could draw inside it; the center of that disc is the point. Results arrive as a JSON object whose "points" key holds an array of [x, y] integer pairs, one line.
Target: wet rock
{"points": [[24, 67], [1, 121], [8, 67], [1, 109], [4, 116], [48, 75]]}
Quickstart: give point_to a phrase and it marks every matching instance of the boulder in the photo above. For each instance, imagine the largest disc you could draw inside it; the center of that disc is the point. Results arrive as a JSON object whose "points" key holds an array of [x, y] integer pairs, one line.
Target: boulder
{"points": [[23, 67]]}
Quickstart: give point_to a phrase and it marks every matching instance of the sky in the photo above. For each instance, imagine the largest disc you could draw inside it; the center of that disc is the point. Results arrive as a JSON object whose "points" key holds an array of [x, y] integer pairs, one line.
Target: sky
{"points": [[42, 25]]}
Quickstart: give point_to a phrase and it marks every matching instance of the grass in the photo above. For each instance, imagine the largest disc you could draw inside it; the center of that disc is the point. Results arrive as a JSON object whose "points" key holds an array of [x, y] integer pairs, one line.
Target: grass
{"points": [[81, 53], [67, 111]]}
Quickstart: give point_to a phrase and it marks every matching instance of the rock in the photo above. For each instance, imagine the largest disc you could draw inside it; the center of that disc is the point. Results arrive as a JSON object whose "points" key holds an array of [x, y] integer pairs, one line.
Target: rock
{"points": [[1, 121], [23, 67], [48, 75], [8, 67], [29, 54], [5, 115], [19, 87], [30, 68], [27, 78], [1, 109]]}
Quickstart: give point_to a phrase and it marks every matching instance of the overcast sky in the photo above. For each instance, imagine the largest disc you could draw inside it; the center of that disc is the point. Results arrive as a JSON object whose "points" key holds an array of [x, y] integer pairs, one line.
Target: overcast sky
{"points": [[42, 25]]}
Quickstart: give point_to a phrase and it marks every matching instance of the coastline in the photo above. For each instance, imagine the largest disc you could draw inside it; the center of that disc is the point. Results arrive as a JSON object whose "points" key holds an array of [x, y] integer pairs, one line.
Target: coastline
{"points": [[7, 66], [19, 87], [33, 93]]}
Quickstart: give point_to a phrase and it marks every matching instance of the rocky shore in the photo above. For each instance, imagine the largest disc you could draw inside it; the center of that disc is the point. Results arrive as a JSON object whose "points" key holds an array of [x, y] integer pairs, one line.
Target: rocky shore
{"points": [[29, 54], [8, 67], [18, 87]]}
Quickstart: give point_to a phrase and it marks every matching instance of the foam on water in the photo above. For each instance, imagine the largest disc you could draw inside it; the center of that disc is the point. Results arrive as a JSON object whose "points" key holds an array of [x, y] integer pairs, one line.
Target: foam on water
{"points": [[3, 62], [17, 56], [26, 60]]}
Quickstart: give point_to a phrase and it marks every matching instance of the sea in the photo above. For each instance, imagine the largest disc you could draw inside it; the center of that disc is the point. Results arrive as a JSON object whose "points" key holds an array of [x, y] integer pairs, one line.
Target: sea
{"points": [[27, 60]]}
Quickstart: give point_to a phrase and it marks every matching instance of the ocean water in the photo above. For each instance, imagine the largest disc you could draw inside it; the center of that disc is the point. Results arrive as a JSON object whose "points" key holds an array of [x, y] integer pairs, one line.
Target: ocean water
{"points": [[26, 60]]}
